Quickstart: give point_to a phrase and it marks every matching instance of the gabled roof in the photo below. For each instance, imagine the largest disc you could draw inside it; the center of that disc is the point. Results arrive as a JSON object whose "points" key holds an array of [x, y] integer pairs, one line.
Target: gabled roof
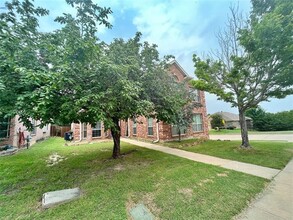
{"points": [[228, 116], [185, 74]]}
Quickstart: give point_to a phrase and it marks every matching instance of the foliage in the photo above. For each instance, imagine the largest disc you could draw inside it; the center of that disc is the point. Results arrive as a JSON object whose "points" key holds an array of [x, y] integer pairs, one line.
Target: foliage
{"points": [[217, 121], [77, 78], [254, 61], [264, 121], [268, 41], [162, 182], [18, 52], [184, 117]]}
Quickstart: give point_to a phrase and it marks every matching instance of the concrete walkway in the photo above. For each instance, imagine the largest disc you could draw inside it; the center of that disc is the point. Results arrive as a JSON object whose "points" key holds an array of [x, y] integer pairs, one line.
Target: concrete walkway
{"points": [[255, 137], [255, 170], [276, 202]]}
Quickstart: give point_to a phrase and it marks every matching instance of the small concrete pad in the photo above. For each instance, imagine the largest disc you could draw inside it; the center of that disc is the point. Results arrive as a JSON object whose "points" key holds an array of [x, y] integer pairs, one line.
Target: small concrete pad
{"points": [[61, 196], [8, 152], [140, 212]]}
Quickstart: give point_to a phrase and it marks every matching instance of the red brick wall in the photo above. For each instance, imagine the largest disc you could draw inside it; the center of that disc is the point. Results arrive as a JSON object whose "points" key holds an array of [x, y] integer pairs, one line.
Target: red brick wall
{"points": [[76, 133], [165, 130]]}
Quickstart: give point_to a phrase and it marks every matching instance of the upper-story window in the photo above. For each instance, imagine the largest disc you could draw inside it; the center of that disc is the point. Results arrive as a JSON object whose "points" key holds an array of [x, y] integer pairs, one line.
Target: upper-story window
{"points": [[4, 127], [175, 77], [195, 95]]}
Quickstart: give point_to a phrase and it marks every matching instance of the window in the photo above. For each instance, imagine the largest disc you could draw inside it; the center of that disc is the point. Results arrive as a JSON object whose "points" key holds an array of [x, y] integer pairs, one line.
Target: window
{"points": [[197, 123], [175, 77], [195, 95], [97, 130], [4, 127], [84, 130], [150, 126], [134, 131], [34, 123], [175, 130]]}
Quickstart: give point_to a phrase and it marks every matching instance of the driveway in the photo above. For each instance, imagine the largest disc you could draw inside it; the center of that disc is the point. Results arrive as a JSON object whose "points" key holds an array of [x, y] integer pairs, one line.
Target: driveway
{"points": [[259, 137]]}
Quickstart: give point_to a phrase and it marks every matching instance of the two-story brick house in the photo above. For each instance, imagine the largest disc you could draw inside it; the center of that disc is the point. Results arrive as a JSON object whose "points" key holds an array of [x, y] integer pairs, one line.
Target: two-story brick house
{"points": [[149, 128]]}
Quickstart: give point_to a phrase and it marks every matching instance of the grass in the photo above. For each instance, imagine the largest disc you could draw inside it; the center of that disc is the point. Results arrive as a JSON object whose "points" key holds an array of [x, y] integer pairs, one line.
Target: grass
{"points": [[170, 187], [268, 154], [237, 131]]}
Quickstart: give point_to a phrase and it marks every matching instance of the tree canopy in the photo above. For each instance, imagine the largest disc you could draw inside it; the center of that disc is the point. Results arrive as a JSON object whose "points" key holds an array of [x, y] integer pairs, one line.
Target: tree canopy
{"points": [[266, 121], [77, 78], [217, 121], [19, 39], [254, 62]]}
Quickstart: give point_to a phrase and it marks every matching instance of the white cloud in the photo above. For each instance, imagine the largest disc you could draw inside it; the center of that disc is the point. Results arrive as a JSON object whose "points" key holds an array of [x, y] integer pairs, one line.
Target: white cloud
{"points": [[170, 25]]}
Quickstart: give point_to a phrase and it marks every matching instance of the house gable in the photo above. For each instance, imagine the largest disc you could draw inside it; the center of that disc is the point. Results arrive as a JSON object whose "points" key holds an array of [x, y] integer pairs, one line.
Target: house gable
{"points": [[177, 71]]}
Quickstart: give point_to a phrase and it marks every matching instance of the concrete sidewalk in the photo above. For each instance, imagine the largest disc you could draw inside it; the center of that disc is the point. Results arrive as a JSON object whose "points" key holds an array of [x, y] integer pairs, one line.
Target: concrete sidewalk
{"points": [[255, 137], [255, 170], [276, 202]]}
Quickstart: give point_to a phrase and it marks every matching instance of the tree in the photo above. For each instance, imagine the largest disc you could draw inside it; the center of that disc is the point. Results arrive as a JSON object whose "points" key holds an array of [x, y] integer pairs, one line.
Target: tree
{"points": [[18, 51], [265, 121], [85, 80], [259, 118], [184, 117], [217, 121], [268, 40], [241, 75]]}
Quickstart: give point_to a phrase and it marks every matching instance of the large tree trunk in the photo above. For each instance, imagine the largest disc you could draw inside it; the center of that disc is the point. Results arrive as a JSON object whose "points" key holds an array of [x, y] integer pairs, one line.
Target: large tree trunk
{"points": [[244, 132], [115, 131], [179, 134]]}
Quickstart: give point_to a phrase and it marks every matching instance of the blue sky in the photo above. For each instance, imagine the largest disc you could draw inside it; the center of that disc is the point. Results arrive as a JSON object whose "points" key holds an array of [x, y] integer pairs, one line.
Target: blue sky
{"points": [[181, 28]]}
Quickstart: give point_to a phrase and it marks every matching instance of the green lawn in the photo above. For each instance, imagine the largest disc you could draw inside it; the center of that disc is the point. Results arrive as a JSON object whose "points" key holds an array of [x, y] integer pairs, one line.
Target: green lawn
{"points": [[269, 154], [237, 131], [171, 187]]}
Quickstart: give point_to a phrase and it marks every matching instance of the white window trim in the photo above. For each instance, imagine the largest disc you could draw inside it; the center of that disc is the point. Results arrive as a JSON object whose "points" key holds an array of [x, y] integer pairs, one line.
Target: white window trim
{"points": [[176, 135], [150, 119], [134, 126], [96, 129], [195, 124]]}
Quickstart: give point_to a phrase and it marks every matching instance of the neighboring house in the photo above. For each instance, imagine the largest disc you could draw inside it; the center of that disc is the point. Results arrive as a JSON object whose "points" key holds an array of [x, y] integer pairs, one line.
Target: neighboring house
{"points": [[149, 128], [232, 119], [14, 133]]}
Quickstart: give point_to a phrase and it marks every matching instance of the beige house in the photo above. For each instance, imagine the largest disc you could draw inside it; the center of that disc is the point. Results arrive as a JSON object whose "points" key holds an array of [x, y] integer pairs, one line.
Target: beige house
{"points": [[232, 120], [14, 133]]}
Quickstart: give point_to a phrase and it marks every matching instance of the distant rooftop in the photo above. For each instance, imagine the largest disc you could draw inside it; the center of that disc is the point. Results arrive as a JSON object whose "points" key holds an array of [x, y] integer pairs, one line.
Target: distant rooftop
{"points": [[228, 116]]}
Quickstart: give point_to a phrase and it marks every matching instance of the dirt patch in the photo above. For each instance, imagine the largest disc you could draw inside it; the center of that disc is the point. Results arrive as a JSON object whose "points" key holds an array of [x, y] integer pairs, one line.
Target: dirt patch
{"points": [[205, 181], [54, 159], [187, 192], [222, 174], [119, 167]]}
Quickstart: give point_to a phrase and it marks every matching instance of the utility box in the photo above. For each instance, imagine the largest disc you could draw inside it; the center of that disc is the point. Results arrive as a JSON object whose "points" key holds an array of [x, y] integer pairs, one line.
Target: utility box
{"points": [[68, 136]]}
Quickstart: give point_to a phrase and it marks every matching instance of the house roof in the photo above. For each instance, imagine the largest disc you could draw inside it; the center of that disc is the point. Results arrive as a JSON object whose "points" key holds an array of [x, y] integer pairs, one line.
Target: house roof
{"points": [[185, 74], [228, 116]]}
